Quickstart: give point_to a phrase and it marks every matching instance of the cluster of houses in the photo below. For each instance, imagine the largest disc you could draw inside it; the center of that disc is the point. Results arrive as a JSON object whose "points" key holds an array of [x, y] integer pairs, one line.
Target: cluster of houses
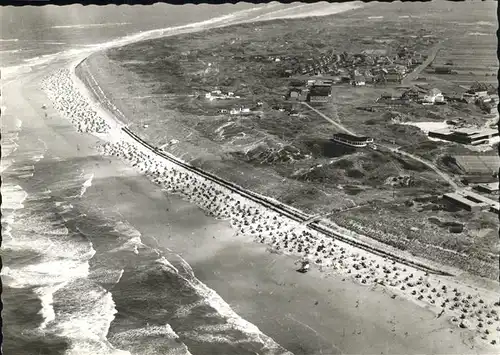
{"points": [[242, 110], [479, 95], [377, 62], [219, 95], [316, 90], [429, 97], [487, 102]]}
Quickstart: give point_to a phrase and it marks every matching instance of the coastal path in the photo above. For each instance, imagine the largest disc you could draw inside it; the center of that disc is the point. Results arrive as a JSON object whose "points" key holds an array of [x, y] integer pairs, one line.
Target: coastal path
{"points": [[336, 124], [398, 150], [431, 165]]}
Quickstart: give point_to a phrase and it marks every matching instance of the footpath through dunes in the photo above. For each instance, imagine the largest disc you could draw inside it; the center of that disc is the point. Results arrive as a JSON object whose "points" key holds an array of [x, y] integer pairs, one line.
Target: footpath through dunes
{"points": [[469, 308]]}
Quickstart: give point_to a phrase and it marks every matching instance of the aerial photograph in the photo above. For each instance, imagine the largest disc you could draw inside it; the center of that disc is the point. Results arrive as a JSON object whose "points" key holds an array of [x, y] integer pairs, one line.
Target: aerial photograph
{"points": [[239, 179]]}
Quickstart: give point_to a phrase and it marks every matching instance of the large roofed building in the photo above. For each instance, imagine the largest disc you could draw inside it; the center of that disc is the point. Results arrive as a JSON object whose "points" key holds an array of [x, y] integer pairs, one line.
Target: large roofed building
{"points": [[320, 93], [351, 140], [472, 201], [472, 136], [478, 164]]}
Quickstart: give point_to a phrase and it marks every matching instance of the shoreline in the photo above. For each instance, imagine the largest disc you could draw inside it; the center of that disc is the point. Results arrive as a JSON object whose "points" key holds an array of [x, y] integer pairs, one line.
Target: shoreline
{"points": [[218, 259], [146, 168]]}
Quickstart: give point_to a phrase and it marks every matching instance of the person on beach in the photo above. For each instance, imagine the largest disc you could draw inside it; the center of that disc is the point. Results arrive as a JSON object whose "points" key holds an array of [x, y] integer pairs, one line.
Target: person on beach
{"points": [[305, 265]]}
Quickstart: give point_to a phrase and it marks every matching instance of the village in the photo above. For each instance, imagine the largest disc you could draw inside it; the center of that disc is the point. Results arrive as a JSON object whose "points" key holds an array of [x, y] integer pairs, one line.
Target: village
{"points": [[313, 84], [343, 126]]}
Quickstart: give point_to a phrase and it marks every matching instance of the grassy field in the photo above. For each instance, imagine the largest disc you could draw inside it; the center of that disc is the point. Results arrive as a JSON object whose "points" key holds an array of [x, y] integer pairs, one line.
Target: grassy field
{"points": [[160, 85]]}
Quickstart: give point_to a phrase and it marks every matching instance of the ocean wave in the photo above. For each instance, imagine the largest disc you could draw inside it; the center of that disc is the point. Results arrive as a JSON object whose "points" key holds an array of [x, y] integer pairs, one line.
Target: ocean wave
{"points": [[11, 51], [84, 312], [93, 25], [234, 321], [308, 10], [5, 164], [133, 240], [9, 40], [9, 144], [141, 340], [478, 23], [72, 306], [50, 272], [86, 184], [13, 196], [480, 34], [46, 296]]}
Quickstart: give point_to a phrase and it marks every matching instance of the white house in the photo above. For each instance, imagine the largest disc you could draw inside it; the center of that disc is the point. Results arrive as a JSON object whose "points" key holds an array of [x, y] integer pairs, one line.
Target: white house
{"points": [[434, 96], [359, 80]]}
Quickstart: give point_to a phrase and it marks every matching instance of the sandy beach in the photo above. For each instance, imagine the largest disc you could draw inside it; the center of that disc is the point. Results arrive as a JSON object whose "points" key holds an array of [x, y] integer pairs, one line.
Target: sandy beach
{"points": [[349, 291], [351, 302]]}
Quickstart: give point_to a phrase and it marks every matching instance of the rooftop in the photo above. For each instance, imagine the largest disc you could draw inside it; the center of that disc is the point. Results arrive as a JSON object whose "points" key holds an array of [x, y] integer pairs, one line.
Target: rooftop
{"points": [[467, 131], [462, 199], [475, 196], [352, 137], [320, 91]]}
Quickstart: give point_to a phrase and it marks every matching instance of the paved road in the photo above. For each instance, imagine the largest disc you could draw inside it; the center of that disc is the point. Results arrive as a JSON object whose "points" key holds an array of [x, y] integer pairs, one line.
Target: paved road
{"points": [[414, 74], [336, 124], [431, 165]]}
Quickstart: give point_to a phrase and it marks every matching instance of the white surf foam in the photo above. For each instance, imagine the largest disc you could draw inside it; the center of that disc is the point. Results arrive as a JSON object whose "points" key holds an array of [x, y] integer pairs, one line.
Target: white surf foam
{"points": [[480, 34], [46, 297], [92, 25], [233, 320], [165, 262], [86, 184], [133, 240], [13, 196], [308, 10], [132, 337], [11, 51]]}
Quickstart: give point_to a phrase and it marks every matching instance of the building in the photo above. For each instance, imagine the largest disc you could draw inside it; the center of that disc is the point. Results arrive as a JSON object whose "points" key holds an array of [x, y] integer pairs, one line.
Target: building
{"points": [[358, 80], [468, 204], [320, 94], [491, 188], [434, 96], [351, 140], [319, 82], [393, 77], [472, 201], [294, 94], [412, 94], [478, 164], [472, 136]]}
